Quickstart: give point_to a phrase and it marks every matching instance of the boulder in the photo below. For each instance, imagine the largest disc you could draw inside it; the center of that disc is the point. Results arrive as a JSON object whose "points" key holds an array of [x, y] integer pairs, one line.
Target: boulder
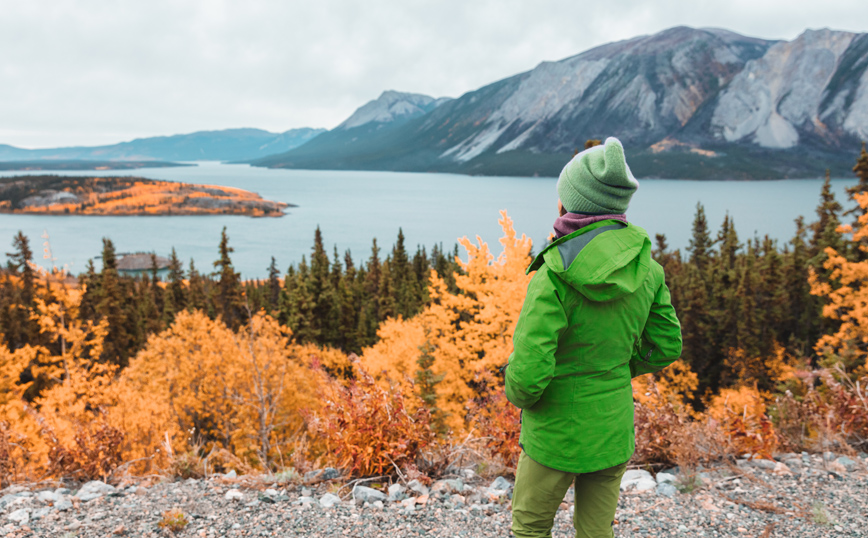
{"points": [[638, 480], [667, 489], [500, 484], [418, 487], [846, 463], [20, 516], [93, 490], [768, 465], [329, 500], [665, 478], [396, 492], [363, 494], [233, 495]]}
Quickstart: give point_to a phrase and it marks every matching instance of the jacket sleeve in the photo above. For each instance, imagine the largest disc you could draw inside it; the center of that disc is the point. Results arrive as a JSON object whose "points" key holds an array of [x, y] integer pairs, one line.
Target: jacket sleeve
{"points": [[660, 343], [540, 324]]}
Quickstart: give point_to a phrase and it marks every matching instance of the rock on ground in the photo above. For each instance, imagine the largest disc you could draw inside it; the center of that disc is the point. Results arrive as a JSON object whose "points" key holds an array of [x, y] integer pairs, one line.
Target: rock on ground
{"points": [[813, 499]]}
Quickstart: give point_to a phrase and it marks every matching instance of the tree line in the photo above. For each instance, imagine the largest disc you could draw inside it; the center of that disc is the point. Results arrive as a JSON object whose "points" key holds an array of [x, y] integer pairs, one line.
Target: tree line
{"points": [[737, 299]]}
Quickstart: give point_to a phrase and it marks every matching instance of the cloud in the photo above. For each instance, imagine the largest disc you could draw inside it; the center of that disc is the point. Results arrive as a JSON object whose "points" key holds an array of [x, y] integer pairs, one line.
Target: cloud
{"points": [[89, 72]]}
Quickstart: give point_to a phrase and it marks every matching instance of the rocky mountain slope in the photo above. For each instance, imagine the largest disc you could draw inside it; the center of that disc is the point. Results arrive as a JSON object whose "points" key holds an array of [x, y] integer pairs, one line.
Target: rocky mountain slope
{"points": [[224, 145], [686, 102]]}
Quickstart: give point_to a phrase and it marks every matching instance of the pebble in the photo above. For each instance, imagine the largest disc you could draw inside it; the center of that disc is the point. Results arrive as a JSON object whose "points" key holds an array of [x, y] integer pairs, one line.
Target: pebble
{"points": [[460, 509]]}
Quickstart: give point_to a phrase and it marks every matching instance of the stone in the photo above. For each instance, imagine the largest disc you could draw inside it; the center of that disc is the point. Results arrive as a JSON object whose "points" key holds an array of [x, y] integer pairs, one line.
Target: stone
{"points": [[328, 500], [63, 505], [94, 489], [362, 494], [500, 484], [378, 505], [458, 500], [781, 469], [321, 475], [469, 474], [306, 492], [271, 492], [48, 496], [456, 485], [638, 480], [20, 516], [231, 474], [665, 478], [418, 487], [768, 465], [396, 492], [41, 513], [667, 489], [233, 495], [846, 463], [828, 456], [409, 502], [306, 499]]}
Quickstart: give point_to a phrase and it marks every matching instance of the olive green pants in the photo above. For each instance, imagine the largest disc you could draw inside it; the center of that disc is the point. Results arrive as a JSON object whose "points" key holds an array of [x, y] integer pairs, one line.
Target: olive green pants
{"points": [[539, 491]]}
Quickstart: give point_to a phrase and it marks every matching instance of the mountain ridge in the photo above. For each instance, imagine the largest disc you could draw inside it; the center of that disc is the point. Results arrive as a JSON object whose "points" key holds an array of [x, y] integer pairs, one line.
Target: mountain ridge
{"points": [[220, 145], [693, 103]]}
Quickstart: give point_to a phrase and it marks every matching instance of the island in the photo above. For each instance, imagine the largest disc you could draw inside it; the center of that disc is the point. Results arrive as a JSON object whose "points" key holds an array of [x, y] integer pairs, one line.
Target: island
{"points": [[80, 195], [51, 164]]}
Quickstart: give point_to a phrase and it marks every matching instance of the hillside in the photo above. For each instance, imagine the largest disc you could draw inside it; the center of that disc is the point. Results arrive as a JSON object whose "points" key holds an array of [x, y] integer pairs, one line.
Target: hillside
{"points": [[224, 145], [74, 195], [84, 165], [687, 103]]}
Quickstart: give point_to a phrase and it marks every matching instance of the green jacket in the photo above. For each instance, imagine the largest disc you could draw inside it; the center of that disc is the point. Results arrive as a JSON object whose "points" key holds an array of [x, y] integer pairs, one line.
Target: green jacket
{"points": [[597, 314]]}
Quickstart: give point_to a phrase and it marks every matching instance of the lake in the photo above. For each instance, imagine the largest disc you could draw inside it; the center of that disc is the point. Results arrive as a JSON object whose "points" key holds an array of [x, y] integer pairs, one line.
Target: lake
{"points": [[351, 208]]}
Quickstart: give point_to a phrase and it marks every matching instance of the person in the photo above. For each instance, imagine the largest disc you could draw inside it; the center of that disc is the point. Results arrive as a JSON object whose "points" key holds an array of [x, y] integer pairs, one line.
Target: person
{"points": [[597, 313]]}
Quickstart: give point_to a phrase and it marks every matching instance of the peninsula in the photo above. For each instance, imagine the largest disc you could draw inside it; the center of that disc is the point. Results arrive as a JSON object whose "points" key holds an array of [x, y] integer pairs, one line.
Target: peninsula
{"points": [[80, 195]]}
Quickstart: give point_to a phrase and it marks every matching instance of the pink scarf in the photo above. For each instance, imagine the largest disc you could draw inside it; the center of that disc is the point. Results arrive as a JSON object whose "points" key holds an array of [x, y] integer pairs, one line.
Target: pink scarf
{"points": [[571, 222]]}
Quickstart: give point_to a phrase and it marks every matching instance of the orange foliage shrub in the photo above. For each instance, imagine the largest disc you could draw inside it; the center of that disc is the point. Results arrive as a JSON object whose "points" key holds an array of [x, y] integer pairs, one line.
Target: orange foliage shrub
{"points": [[238, 391], [367, 429], [741, 414], [498, 425], [95, 454]]}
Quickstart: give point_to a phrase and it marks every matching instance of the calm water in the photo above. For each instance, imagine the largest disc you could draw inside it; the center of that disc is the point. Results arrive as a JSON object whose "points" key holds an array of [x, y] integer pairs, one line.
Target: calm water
{"points": [[351, 208]]}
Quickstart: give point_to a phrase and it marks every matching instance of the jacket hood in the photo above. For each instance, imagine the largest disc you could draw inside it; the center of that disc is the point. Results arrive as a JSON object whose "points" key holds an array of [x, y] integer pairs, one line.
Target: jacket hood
{"points": [[602, 261]]}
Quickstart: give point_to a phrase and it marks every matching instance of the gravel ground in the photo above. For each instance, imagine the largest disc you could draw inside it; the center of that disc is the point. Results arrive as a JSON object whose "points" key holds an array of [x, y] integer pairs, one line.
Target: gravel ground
{"points": [[798, 496]]}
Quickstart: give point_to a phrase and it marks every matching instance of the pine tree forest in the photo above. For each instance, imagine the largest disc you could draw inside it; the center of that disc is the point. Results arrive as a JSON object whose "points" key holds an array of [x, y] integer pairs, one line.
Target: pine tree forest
{"points": [[390, 363]]}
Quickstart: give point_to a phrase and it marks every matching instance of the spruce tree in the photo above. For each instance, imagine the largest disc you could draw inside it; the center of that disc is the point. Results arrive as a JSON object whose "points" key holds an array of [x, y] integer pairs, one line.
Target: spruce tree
{"points": [[274, 286], [230, 298], [700, 243], [176, 296]]}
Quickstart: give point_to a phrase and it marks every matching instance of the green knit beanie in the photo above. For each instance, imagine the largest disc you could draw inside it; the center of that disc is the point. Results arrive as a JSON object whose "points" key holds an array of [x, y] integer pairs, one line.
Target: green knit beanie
{"points": [[598, 181]]}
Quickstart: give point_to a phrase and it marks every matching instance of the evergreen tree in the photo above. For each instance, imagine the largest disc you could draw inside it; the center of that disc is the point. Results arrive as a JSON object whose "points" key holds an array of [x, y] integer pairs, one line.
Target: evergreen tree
{"points": [[700, 242], [119, 341], [274, 285], [230, 298], [176, 296], [861, 171], [426, 383], [198, 295]]}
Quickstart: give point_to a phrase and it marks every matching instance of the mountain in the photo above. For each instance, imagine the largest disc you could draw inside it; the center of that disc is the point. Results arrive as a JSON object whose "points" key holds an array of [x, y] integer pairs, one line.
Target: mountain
{"points": [[225, 145], [361, 134], [687, 103]]}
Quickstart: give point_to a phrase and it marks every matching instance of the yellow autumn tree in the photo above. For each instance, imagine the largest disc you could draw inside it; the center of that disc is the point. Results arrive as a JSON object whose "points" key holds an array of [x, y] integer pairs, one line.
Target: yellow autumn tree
{"points": [[468, 335], [846, 295]]}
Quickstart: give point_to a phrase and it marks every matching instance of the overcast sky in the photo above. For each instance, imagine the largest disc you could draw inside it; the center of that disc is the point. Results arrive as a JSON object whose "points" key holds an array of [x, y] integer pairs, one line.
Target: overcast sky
{"points": [[87, 72]]}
